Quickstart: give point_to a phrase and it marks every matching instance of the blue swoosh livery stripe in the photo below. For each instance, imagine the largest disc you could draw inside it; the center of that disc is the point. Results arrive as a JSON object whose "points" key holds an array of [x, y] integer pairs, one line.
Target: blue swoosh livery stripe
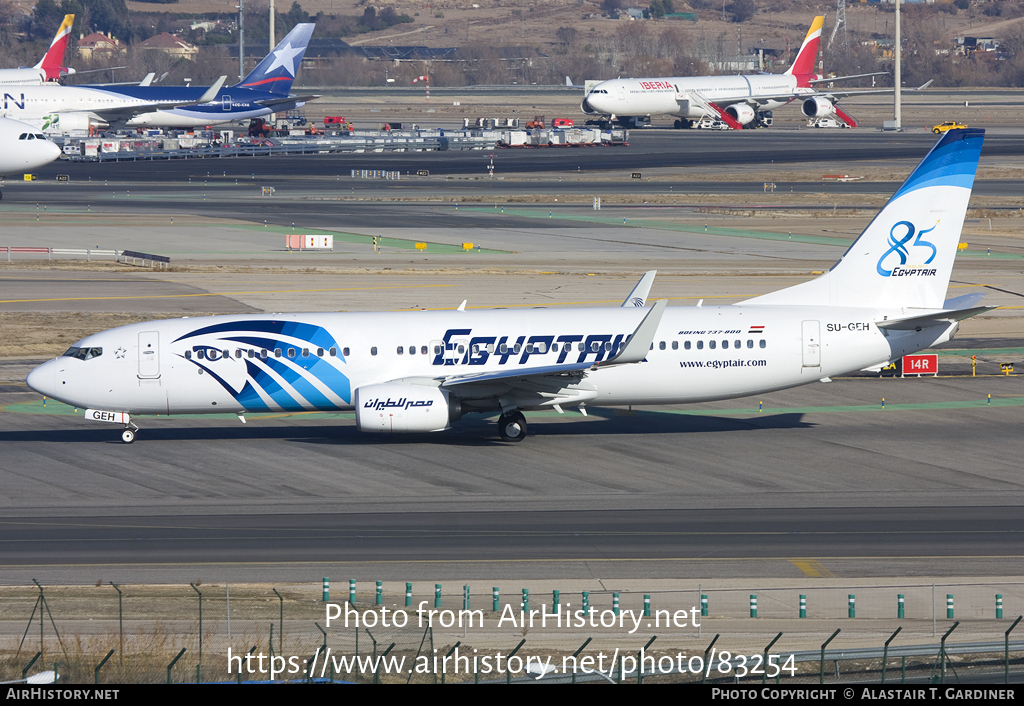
{"points": [[953, 161]]}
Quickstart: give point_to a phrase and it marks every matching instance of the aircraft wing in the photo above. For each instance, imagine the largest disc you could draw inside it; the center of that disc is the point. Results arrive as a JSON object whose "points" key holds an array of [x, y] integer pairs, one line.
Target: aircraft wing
{"points": [[128, 111], [846, 78]]}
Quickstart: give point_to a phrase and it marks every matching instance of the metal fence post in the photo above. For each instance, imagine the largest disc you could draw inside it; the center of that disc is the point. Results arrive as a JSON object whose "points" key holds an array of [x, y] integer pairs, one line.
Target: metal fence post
{"points": [[280, 622], [640, 660], [707, 667], [508, 673], [1006, 637], [200, 621], [821, 674], [942, 653], [175, 661], [577, 654], [120, 618], [24, 672], [96, 671], [885, 651], [764, 661]]}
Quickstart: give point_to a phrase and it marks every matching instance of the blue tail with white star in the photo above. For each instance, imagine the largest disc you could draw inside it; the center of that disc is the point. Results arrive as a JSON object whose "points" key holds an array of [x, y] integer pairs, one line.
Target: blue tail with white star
{"points": [[277, 71]]}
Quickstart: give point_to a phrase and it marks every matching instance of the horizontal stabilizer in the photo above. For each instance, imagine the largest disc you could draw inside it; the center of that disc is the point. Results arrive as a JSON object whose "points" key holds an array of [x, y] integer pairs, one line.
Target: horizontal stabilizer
{"points": [[964, 301], [915, 323]]}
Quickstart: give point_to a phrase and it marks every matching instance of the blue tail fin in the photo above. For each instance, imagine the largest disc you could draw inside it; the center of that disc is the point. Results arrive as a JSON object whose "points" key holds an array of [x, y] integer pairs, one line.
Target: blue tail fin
{"points": [[277, 71]]}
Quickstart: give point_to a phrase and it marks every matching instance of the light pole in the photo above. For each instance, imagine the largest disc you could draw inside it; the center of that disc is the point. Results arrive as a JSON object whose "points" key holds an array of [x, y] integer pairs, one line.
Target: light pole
{"points": [[896, 55]]}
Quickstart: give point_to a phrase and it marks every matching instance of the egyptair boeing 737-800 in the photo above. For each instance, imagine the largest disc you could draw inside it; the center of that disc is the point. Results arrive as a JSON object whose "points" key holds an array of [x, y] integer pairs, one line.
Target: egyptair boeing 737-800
{"points": [[738, 101], [421, 371]]}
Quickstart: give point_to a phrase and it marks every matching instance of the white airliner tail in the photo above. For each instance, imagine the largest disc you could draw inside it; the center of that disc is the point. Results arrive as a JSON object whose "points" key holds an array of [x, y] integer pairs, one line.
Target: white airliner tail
{"points": [[905, 256]]}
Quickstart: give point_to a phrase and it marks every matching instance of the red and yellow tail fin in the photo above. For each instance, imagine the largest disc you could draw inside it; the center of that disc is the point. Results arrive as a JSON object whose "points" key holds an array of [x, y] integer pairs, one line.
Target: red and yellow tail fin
{"points": [[805, 58], [53, 60]]}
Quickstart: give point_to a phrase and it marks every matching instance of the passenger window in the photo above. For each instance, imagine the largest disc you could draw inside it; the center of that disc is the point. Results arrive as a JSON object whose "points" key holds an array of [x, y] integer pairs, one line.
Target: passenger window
{"points": [[238, 353], [319, 352], [263, 353], [291, 352], [725, 344], [607, 345], [437, 350], [333, 351], [582, 347], [529, 348], [400, 350], [462, 349], [554, 347], [423, 350], [711, 345], [188, 355], [675, 345], [761, 343], [305, 352], [542, 347], [277, 352], [373, 350], [225, 353], [515, 349], [686, 345], [200, 354], [737, 344], [344, 352], [412, 350], [661, 346], [503, 349], [750, 343], [700, 345]]}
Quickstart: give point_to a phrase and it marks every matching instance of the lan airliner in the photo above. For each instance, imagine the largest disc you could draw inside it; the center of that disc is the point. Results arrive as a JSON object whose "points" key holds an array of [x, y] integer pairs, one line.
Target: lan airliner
{"points": [[421, 371], [267, 89], [738, 101]]}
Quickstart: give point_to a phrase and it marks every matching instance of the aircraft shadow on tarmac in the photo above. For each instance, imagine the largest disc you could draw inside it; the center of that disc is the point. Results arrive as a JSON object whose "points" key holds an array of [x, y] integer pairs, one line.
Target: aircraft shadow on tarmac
{"points": [[472, 431]]}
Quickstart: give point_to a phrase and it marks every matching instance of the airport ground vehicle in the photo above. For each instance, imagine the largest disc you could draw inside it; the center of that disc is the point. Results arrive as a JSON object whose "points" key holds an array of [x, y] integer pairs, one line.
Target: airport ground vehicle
{"points": [[948, 125]]}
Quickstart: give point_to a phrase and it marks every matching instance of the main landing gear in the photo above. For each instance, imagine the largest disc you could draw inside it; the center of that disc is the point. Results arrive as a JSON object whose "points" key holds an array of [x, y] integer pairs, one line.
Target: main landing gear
{"points": [[512, 426], [128, 435]]}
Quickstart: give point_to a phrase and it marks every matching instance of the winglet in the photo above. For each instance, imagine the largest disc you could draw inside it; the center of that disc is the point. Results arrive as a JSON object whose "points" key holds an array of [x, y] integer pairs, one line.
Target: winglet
{"points": [[212, 91], [925, 85], [462, 306], [638, 297], [639, 344]]}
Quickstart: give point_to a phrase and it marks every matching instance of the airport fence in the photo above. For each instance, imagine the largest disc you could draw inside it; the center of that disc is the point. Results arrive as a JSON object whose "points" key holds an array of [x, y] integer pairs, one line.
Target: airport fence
{"points": [[127, 256], [112, 633]]}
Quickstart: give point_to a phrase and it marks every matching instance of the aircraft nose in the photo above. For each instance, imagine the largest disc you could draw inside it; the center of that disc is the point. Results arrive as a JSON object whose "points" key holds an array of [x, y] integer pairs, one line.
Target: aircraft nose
{"points": [[44, 379]]}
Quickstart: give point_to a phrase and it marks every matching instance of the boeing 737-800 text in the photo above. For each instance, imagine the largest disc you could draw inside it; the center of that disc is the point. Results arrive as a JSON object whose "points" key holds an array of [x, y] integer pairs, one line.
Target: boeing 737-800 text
{"points": [[421, 371]]}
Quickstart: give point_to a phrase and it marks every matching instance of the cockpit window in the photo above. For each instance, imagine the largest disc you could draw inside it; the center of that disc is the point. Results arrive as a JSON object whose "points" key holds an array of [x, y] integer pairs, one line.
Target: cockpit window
{"points": [[40, 137], [23, 136], [83, 353]]}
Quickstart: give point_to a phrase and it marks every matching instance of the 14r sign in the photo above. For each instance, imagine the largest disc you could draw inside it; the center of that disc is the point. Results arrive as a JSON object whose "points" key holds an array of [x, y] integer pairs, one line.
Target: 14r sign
{"points": [[921, 364]]}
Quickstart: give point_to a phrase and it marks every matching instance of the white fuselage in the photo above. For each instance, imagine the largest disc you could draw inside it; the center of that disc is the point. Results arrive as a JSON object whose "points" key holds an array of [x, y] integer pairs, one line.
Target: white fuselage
{"points": [[24, 76], [18, 153], [672, 96], [260, 363]]}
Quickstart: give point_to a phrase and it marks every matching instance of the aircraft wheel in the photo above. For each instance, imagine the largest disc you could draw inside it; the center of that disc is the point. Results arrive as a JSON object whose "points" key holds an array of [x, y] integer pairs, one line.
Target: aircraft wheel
{"points": [[678, 125], [512, 426], [127, 436]]}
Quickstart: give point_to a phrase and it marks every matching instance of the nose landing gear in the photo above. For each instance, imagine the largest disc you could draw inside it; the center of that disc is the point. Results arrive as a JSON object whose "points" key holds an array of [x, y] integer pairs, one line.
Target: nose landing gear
{"points": [[128, 435], [512, 426]]}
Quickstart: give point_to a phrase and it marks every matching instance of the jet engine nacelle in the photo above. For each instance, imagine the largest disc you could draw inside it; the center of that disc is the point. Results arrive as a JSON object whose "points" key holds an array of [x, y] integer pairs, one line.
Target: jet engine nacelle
{"points": [[741, 113], [396, 407], [63, 123], [817, 107]]}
